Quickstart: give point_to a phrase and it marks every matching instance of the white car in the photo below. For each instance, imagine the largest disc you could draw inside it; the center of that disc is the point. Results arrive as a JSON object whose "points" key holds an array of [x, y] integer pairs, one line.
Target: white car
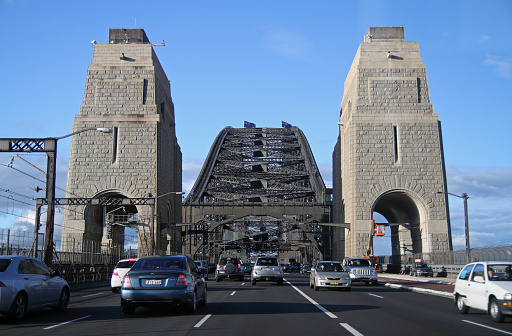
{"points": [[329, 274], [118, 273], [487, 286]]}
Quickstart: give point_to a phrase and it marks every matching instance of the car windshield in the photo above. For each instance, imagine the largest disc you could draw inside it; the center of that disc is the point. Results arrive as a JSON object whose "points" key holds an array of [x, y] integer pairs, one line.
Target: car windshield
{"points": [[225, 261], [499, 272], [422, 265], [267, 262], [159, 263], [330, 267], [4, 263], [359, 262]]}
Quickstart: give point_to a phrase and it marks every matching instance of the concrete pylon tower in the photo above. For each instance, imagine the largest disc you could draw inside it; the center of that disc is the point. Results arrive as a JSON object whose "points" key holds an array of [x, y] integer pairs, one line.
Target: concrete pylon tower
{"points": [[126, 90], [389, 154]]}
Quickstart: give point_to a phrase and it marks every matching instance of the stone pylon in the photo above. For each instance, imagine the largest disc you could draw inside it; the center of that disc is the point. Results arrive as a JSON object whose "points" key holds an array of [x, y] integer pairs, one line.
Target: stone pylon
{"points": [[389, 154], [127, 91]]}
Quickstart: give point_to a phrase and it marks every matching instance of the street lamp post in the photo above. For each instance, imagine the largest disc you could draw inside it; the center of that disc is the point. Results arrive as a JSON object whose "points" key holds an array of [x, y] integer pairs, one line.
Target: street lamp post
{"points": [[465, 197]]}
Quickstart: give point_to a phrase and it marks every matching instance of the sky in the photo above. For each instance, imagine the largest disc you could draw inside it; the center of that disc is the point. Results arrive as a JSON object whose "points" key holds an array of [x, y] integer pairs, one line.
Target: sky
{"points": [[264, 62]]}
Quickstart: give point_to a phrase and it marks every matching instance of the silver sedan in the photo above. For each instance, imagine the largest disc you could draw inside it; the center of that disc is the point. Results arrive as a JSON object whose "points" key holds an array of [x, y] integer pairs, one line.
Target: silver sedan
{"points": [[329, 274], [27, 284]]}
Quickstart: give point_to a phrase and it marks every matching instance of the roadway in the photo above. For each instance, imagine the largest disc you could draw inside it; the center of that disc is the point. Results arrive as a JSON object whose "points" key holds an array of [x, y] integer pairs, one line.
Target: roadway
{"points": [[239, 308]]}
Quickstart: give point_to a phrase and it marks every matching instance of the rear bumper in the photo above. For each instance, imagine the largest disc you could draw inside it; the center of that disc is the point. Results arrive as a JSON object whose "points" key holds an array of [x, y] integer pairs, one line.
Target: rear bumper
{"points": [[146, 297]]}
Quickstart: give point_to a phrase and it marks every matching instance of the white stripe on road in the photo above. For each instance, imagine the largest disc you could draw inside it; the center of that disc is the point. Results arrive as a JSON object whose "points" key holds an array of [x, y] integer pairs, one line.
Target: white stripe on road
{"points": [[484, 326], [380, 297], [203, 320], [350, 329], [331, 315], [61, 324], [92, 294], [233, 293]]}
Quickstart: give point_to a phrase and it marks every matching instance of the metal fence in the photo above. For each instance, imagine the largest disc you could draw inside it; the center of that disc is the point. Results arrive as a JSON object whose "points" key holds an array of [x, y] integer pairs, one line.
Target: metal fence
{"points": [[87, 260]]}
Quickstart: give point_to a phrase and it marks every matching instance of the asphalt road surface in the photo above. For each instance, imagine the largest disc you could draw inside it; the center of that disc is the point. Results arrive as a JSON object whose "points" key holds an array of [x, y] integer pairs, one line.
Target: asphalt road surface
{"points": [[239, 308]]}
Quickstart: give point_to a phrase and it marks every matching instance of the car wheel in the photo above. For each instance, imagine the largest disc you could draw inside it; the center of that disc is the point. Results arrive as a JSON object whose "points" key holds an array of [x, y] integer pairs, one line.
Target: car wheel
{"points": [[315, 286], [242, 278], [19, 307], [280, 282], [253, 282], [348, 289], [63, 301], [115, 290], [411, 273], [461, 305], [202, 303], [217, 279], [127, 307], [374, 283], [310, 284], [191, 308], [494, 310]]}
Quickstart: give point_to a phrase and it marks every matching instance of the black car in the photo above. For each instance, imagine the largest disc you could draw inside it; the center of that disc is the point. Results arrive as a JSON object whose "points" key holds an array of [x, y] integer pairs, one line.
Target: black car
{"points": [[229, 267], [421, 269], [294, 267]]}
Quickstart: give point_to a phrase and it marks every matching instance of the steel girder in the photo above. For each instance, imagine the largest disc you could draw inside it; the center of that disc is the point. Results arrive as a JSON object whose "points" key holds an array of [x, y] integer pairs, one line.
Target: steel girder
{"points": [[262, 184]]}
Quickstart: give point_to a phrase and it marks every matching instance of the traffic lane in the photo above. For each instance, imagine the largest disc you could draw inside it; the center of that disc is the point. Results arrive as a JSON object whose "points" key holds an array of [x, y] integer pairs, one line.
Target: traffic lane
{"points": [[442, 286], [265, 308], [399, 311], [99, 313]]}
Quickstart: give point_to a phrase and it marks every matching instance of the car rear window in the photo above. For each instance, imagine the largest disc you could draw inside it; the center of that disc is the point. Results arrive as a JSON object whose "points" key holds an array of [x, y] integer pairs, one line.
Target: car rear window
{"points": [[4, 263], [225, 261], [159, 263], [267, 262], [126, 264]]}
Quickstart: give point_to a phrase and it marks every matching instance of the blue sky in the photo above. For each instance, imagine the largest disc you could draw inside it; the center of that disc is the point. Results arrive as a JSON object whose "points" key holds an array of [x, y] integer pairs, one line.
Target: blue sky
{"points": [[267, 61]]}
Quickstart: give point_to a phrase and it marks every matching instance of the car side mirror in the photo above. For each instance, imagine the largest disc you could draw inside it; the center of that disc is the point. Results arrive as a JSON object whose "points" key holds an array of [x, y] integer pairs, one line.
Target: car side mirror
{"points": [[56, 273], [479, 278]]}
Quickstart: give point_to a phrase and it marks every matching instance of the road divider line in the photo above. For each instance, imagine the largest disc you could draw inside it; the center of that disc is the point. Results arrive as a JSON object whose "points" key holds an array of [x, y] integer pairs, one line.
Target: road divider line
{"points": [[203, 320], [63, 323], [350, 329], [92, 294], [380, 297], [233, 293], [328, 313], [484, 326]]}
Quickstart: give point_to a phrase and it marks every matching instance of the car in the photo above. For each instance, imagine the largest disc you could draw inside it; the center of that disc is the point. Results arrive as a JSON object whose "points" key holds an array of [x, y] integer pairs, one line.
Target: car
{"points": [[211, 268], [118, 273], [247, 267], [202, 265], [163, 280], [26, 284], [486, 286], [267, 269], [229, 267], [305, 268], [294, 266], [361, 270], [330, 274], [421, 268]]}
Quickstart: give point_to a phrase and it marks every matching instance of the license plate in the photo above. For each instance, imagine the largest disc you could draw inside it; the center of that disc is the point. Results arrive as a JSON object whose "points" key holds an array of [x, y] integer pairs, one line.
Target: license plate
{"points": [[334, 283], [153, 282], [265, 269]]}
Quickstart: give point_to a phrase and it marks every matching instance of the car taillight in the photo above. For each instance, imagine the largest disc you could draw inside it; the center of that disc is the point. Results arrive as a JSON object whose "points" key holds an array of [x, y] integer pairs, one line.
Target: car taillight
{"points": [[218, 266], [2, 284], [182, 280], [126, 281], [115, 272]]}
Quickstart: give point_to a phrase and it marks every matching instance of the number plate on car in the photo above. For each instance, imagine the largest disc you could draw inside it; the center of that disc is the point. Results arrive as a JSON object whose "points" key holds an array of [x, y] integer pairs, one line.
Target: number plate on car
{"points": [[334, 283], [153, 282]]}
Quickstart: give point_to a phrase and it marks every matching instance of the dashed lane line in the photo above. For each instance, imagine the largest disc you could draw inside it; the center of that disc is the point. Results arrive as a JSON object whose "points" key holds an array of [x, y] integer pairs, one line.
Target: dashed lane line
{"points": [[328, 313], [203, 320], [63, 323], [484, 326]]}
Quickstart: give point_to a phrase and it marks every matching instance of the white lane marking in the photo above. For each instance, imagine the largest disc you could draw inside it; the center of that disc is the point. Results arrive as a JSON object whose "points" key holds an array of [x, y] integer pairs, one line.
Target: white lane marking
{"points": [[203, 320], [380, 297], [484, 326], [233, 293], [63, 323], [350, 329], [331, 315], [92, 294]]}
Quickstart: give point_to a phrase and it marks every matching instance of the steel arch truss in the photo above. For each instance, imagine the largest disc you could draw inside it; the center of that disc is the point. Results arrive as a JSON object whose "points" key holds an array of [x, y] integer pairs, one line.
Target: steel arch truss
{"points": [[259, 189]]}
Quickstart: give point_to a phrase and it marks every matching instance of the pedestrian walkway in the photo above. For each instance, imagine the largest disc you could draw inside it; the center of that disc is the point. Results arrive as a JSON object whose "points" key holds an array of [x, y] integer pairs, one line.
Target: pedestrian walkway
{"points": [[433, 286]]}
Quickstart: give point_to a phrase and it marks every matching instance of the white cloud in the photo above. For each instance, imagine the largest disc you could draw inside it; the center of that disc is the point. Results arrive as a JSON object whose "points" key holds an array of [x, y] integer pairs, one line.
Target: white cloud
{"points": [[483, 38], [502, 67]]}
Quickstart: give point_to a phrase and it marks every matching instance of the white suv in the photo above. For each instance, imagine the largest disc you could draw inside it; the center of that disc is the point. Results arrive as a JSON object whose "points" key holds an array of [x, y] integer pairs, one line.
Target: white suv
{"points": [[118, 273], [487, 286]]}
